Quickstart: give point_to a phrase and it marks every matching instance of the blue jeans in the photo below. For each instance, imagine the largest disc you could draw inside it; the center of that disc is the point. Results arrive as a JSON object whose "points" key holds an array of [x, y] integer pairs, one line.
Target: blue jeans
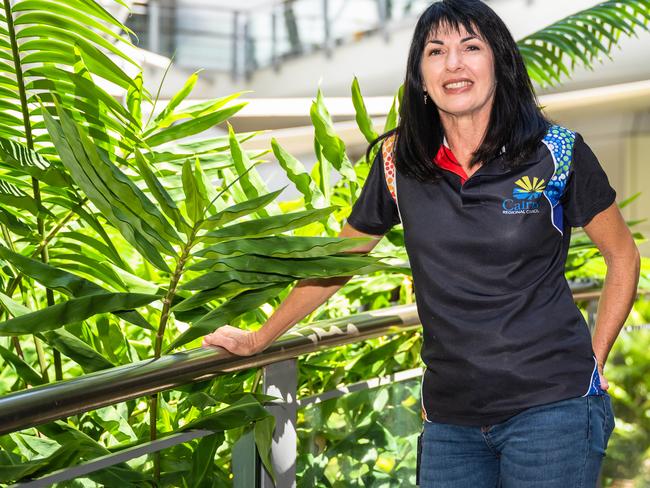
{"points": [[556, 445]]}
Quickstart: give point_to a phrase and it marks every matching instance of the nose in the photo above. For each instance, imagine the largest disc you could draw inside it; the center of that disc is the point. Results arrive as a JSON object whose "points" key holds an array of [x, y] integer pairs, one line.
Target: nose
{"points": [[453, 61]]}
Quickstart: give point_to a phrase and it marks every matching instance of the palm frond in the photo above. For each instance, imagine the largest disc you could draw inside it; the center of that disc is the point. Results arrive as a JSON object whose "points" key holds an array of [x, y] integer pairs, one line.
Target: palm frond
{"points": [[60, 48], [581, 38]]}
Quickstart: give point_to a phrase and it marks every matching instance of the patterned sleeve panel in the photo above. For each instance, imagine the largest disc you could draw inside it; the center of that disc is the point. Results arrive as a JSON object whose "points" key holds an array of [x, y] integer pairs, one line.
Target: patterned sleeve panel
{"points": [[375, 211], [388, 157]]}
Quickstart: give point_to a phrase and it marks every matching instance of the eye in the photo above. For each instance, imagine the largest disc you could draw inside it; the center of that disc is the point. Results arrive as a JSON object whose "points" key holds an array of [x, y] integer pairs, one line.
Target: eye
{"points": [[473, 47], [435, 52]]}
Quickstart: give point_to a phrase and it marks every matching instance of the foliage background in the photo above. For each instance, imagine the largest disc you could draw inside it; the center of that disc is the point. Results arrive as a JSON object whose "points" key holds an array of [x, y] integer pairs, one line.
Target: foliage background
{"points": [[123, 240]]}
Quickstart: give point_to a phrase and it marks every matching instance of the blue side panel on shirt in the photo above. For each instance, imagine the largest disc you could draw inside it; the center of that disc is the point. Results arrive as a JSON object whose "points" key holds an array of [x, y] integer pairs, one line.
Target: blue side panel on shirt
{"points": [[559, 141], [594, 386]]}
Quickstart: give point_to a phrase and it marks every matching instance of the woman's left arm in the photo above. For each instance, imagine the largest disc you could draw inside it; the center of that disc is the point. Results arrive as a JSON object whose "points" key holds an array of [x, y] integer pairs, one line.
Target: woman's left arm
{"points": [[610, 234]]}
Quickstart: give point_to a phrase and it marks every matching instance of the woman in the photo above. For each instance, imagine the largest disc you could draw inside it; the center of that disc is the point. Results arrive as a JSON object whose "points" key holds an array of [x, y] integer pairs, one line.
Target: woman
{"points": [[487, 190]]}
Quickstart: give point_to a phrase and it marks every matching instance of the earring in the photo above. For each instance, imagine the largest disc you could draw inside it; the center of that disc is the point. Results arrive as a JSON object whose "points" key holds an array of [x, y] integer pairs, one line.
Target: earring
{"points": [[425, 98]]}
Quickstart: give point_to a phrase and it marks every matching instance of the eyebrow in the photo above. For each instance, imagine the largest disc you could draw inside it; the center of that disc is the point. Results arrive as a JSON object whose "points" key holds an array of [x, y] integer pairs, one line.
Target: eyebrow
{"points": [[465, 39]]}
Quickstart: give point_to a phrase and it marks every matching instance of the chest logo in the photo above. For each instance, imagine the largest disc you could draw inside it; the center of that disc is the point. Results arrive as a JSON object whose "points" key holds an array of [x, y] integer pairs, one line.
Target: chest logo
{"points": [[525, 196]]}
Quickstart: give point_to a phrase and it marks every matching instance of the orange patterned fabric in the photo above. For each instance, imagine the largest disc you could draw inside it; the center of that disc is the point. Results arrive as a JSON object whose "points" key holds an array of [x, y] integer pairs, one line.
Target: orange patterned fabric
{"points": [[388, 154]]}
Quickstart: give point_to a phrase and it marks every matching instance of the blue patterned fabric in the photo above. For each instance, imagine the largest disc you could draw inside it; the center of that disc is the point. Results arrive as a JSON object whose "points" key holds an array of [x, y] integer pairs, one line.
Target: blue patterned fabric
{"points": [[559, 141], [594, 387]]}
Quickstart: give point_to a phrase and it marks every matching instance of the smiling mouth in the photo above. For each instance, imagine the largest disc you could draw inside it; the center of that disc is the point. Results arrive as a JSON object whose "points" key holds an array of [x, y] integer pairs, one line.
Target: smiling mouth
{"points": [[458, 84]]}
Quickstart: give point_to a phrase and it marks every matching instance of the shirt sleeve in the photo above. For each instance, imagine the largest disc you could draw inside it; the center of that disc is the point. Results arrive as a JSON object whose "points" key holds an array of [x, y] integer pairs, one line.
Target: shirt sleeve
{"points": [[588, 191], [374, 211]]}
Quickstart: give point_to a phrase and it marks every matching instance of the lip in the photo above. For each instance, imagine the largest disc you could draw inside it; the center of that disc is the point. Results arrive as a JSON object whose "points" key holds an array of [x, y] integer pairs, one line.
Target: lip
{"points": [[457, 80]]}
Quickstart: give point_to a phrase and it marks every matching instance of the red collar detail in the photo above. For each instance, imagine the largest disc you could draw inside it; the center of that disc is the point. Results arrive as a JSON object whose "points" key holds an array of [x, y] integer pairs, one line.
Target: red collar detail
{"points": [[446, 160]]}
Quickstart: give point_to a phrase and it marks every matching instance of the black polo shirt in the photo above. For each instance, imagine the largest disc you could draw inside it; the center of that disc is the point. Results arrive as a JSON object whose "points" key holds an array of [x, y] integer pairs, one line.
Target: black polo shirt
{"points": [[501, 331]]}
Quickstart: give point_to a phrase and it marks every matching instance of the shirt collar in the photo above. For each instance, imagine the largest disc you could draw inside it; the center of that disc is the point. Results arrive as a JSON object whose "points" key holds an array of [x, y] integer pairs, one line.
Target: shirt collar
{"points": [[446, 159]]}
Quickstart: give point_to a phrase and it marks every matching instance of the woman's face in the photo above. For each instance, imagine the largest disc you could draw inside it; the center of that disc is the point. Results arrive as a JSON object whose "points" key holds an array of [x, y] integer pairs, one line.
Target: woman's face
{"points": [[458, 72]]}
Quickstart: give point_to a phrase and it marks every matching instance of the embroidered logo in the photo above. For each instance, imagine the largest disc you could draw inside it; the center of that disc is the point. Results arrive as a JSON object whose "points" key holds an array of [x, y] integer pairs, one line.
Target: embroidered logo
{"points": [[525, 196], [527, 190]]}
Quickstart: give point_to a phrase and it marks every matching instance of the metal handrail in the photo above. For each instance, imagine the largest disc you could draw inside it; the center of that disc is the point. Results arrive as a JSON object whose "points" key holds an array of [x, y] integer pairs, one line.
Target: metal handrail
{"points": [[41, 404], [22, 409]]}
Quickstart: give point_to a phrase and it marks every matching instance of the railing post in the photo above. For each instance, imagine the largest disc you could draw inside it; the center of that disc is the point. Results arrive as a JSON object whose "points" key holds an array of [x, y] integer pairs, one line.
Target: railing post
{"points": [[235, 46], [281, 380], [327, 40], [153, 10], [274, 39], [382, 5], [249, 53]]}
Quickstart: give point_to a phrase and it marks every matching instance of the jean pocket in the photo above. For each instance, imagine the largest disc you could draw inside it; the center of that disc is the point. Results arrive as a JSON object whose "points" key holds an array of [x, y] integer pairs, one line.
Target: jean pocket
{"points": [[610, 421]]}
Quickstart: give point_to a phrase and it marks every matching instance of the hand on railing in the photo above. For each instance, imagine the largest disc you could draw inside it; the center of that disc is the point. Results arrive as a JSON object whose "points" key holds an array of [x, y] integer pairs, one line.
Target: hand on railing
{"points": [[234, 340]]}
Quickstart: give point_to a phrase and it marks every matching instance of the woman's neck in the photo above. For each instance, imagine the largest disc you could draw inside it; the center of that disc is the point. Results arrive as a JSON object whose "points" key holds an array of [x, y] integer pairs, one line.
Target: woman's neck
{"points": [[465, 133]]}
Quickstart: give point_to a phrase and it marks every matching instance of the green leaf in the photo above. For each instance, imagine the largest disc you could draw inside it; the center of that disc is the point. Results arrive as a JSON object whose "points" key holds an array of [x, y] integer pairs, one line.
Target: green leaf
{"points": [[74, 310], [263, 439], [194, 126], [282, 246], [269, 225], [167, 204], [28, 374], [12, 195], [79, 155], [62, 457], [326, 266], [118, 475], [12, 307], [13, 224], [134, 98], [51, 277], [113, 419], [20, 157], [244, 411], [161, 119], [223, 289], [579, 36], [391, 116], [628, 200], [250, 181], [241, 209], [201, 474], [195, 203], [363, 119], [93, 223], [64, 282], [332, 146], [41, 24], [297, 173], [76, 349], [320, 172], [215, 280]]}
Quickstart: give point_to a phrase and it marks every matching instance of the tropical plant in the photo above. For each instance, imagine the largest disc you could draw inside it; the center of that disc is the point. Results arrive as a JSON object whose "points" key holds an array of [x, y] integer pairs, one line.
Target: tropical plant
{"points": [[122, 240], [89, 171], [581, 38]]}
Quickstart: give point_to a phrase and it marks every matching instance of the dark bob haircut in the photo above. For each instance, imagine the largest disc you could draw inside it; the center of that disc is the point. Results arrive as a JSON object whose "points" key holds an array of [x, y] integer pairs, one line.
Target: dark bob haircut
{"points": [[516, 121]]}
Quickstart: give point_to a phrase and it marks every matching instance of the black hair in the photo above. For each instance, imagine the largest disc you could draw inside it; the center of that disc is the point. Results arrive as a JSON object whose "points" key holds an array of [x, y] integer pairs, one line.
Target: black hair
{"points": [[516, 120]]}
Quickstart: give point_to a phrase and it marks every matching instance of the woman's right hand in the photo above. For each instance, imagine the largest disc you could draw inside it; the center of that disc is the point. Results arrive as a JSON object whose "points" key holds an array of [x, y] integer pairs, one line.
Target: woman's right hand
{"points": [[235, 340]]}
